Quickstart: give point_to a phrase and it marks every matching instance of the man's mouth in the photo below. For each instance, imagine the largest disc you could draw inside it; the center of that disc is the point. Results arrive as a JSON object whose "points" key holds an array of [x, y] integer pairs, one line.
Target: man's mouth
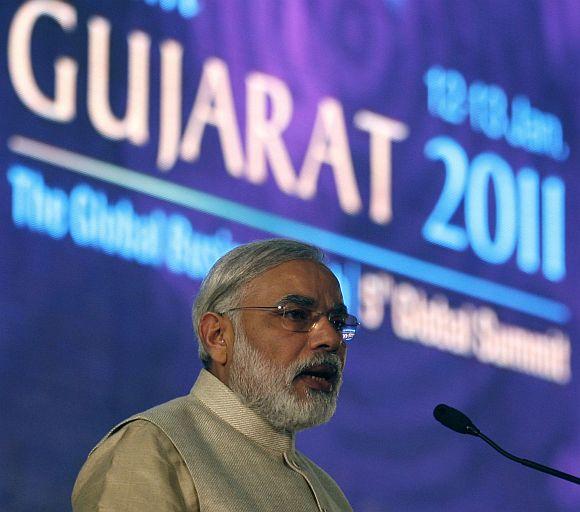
{"points": [[321, 377]]}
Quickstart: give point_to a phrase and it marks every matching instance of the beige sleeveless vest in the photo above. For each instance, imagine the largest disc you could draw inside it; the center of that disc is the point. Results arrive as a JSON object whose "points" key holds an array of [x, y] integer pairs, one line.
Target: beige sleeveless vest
{"points": [[233, 471]]}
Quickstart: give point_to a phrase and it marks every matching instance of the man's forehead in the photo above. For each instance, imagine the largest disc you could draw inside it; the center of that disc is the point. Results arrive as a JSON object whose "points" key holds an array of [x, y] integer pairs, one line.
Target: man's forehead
{"points": [[308, 280]]}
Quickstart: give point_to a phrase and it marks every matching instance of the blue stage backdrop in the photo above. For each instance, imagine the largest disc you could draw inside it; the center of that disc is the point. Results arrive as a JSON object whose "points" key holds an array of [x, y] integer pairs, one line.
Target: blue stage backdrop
{"points": [[429, 147]]}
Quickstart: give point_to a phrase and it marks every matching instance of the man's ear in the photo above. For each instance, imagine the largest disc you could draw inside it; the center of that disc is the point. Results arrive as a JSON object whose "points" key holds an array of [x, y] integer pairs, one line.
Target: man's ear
{"points": [[216, 335]]}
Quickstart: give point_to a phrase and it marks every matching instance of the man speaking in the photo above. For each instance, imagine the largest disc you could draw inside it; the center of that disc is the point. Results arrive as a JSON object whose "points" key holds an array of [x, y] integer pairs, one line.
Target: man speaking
{"points": [[272, 330]]}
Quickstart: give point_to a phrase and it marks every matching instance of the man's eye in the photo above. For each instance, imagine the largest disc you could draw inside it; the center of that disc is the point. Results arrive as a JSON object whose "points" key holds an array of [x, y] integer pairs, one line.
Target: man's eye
{"points": [[297, 314]]}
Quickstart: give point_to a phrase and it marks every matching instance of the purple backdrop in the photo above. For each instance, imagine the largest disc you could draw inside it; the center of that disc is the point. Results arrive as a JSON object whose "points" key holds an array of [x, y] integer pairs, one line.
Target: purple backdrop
{"points": [[477, 309]]}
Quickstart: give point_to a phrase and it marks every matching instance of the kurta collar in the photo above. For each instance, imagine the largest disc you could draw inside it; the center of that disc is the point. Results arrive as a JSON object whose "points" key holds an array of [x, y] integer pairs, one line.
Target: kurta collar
{"points": [[215, 395]]}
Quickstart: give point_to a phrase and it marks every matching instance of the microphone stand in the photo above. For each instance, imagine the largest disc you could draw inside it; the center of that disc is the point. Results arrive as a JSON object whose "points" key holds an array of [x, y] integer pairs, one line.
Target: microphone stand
{"points": [[525, 462], [459, 422]]}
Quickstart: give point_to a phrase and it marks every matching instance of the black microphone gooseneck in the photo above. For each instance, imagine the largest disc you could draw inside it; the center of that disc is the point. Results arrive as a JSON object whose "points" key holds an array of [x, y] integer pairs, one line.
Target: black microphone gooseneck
{"points": [[456, 420]]}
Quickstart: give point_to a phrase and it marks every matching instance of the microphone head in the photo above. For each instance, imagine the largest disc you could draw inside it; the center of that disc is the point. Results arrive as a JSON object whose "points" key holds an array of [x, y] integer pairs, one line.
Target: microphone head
{"points": [[455, 420]]}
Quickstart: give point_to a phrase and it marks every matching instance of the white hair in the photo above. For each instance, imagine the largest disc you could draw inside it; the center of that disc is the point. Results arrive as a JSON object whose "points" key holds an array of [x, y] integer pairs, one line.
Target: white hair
{"points": [[223, 287], [267, 387]]}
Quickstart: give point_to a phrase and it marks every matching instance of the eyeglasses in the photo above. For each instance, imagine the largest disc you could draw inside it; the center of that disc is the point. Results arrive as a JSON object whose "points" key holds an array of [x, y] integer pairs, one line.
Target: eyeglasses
{"points": [[301, 319]]}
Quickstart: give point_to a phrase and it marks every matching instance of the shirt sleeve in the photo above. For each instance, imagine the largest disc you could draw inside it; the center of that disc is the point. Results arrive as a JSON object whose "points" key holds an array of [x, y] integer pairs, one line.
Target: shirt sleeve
{"points": [[137, 469]]}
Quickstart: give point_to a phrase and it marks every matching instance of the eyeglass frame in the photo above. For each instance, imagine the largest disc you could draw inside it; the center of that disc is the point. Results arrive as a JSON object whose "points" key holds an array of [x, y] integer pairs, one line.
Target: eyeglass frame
{"points": [[319, 315]]}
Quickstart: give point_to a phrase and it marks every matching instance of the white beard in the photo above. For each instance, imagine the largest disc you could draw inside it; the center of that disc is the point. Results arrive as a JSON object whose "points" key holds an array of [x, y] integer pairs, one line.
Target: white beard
{"points": [[267, 388]]}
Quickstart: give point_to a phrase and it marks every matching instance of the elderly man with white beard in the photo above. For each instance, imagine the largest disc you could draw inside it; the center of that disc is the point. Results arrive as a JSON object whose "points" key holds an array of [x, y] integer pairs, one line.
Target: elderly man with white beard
{"points": [[272, 330]]}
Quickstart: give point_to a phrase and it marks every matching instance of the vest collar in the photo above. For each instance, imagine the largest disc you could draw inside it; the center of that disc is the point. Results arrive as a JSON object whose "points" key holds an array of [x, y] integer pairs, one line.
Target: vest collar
{"points": [[223, 402]]}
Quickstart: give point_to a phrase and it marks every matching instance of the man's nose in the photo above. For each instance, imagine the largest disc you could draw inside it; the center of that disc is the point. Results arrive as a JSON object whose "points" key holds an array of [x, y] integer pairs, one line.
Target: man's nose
{"points": [[324, 336]]}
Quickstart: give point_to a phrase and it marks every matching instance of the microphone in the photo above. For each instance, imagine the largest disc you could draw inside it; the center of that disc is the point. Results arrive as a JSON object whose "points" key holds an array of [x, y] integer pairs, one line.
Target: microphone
{"points": [[459, 422], [455, 420]]}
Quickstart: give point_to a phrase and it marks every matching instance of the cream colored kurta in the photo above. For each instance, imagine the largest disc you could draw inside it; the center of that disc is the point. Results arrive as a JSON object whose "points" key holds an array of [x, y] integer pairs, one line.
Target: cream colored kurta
{"points": [[205, 451]]}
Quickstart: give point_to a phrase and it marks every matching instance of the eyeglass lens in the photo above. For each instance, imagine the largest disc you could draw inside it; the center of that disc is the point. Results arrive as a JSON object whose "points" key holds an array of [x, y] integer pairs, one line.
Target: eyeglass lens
{"points": [[300, 319]]}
